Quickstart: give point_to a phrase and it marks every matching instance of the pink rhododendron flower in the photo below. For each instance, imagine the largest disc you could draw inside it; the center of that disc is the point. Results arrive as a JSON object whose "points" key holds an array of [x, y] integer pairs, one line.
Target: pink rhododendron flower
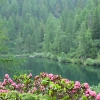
{"points": [[30, 75], [98, 97], [34, 89], [92, 93], [6, 76], [87, 91], [14, 85], [42, 88], [4, 90], [2, 87], [67, 81], [4, 83], [22, 85], [17, 87], [56, 76], [77, 85], [44, 74], [86, 85], [50, 75], [87, 94], [51, 78], [36, 77], [5, 80], [73, 91], [0, 83], [10, 80]]}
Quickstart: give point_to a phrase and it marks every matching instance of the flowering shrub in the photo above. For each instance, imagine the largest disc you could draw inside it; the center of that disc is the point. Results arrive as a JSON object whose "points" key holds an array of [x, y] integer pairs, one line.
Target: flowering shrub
{"points": [[53, 86], [59, 88], [22, 84]]}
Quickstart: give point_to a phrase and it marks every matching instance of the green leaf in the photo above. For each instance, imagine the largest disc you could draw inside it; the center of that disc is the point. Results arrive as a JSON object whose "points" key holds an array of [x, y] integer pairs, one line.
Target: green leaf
{"points": [[84, 97]]}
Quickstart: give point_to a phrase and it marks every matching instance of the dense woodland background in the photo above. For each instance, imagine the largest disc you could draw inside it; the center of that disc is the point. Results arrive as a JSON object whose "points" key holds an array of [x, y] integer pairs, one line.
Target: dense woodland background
{"points": [[56, 26]]}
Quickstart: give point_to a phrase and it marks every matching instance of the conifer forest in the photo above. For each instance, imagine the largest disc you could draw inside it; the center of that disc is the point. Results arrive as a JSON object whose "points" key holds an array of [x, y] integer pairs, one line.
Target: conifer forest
{"points": [[55, 26]]}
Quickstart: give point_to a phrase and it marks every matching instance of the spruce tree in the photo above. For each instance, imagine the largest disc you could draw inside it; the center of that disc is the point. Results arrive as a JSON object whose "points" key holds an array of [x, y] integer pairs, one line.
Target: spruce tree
{"points": [[96, 25]]}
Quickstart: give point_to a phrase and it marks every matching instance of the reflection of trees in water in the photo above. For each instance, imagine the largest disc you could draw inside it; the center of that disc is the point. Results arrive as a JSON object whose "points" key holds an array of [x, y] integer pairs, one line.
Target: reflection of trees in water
{"points": [[98, 74], [94, 69], [52, 67], [80, 73], [92, 75], [11, 65], [4, 69], [1, 74], [72, 72], [35, 65]]}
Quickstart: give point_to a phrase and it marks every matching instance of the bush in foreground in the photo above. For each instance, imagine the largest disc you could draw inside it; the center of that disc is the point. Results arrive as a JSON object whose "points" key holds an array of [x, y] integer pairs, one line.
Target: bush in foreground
{"points": [[45, 86]]}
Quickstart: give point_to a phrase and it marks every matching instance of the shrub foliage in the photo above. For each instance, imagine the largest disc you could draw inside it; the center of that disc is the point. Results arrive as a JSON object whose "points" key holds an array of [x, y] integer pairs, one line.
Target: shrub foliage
{"points": [[45, 86]]}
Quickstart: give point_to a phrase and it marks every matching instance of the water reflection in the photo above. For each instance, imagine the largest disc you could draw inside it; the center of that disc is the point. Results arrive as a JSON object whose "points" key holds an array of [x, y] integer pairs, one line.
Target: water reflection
{"points": [[70, 71]]}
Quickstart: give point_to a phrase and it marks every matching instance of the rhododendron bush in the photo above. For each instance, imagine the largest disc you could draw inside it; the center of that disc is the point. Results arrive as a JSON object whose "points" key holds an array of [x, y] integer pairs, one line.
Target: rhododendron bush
{"points": [[54, 86]]}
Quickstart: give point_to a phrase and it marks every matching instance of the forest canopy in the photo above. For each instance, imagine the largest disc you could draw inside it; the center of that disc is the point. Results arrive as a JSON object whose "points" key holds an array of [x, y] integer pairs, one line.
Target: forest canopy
{"points": [[56, 26]]}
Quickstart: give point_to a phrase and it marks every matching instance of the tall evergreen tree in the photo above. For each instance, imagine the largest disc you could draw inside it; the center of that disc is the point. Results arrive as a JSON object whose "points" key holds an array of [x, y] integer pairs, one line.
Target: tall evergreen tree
{"points": [[64, 44], [14, 7], [34, 42], [32, 25], [96, 25], [82, 40], [43, 13], [5, 10], [28, 44], [11, 28], [26, 9], [19, 43], [50, 32], [3, 40], [64, 19], [55, 46]]}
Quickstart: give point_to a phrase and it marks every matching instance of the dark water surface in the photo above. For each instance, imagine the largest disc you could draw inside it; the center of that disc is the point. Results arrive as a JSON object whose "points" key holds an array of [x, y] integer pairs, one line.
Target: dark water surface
{"points": [[71, 71]]}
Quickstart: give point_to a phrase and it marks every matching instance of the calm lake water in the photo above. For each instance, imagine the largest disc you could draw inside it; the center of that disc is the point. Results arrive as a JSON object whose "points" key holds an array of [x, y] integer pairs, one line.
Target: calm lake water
{"points": [[70, 71]]}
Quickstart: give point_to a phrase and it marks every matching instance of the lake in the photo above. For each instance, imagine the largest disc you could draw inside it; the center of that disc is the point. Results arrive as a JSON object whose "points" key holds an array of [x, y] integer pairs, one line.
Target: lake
{"points": [[70, 71]]}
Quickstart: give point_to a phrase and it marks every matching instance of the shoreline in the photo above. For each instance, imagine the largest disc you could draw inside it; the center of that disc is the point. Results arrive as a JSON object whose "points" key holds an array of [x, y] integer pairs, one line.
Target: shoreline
{"points": [[65, 59], [60, 58]]}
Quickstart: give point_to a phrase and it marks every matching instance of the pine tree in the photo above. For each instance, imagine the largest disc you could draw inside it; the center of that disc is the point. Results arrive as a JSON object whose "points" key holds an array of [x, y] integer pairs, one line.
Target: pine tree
{"points": [[6, 9], [32, 25], [64, 44], [50, 32], [3, 40], [26, 9], [28, 44], [64, 19], [26, 30], [34, 42], [43, 13], [82, 40], [55, 46], [19, 43], [14, 7], [96, 25], [11, 28], [17, 21]]}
